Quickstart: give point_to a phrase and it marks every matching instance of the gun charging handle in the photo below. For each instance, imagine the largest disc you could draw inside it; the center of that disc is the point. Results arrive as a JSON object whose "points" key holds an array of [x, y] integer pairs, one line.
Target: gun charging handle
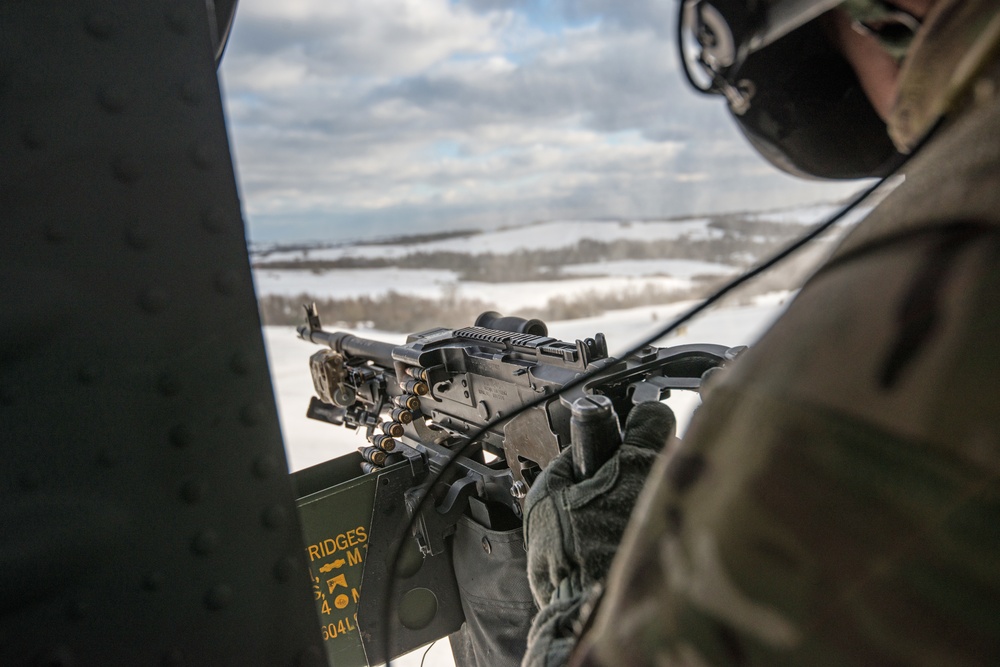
{"points": [[594, 434]]}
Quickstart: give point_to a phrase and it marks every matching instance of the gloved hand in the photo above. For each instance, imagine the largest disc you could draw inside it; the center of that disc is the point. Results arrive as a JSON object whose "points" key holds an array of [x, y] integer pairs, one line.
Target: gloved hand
{"points": [[572, 529]]}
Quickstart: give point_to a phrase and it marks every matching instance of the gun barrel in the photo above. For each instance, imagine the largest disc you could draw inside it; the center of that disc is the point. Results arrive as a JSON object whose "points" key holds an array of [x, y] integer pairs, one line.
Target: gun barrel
{"points": [[350, 345]]}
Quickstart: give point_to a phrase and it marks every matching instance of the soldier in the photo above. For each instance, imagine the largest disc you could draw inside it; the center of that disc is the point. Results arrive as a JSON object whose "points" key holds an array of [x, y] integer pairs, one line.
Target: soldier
{"points": [[836, 500]]}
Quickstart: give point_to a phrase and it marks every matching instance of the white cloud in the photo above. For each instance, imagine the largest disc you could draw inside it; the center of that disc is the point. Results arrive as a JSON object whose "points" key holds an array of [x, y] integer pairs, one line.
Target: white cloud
{"points": [[362, 37], [426, 113]]}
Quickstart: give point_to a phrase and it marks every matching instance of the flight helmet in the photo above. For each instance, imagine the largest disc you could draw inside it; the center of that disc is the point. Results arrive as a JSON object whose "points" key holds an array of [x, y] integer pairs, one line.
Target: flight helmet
{"points": [[791, 92]]}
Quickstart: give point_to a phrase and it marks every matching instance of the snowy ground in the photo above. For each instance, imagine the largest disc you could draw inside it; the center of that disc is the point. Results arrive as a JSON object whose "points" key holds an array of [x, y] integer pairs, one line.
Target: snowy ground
{"points": [[346, 283], [550, 235], [540, 236], [663, 276], [633, 276], [678, 268]]}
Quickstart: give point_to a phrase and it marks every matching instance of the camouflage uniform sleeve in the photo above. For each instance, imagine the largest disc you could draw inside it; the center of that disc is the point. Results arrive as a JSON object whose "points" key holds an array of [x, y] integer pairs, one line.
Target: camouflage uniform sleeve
{"points": [[836, 499]]}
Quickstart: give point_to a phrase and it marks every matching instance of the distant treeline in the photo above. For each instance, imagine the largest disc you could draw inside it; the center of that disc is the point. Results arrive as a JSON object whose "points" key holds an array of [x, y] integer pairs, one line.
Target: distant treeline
{"points": [[736, 243], [597, 302], [739, 242], [265, 249], [391, 311], [406, 314]]}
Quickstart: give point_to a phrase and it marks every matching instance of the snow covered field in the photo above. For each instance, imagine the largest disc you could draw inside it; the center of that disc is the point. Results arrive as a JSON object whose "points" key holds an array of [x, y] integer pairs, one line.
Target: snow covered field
{"points": [[678, 268], [540, 236], [668, 274], [550, 235], [613, 277], [665, 275], [345, 283]]}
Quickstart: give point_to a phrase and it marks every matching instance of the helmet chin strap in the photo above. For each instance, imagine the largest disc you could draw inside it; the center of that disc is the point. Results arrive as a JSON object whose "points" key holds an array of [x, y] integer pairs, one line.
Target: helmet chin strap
{"points": [[893, 27]]}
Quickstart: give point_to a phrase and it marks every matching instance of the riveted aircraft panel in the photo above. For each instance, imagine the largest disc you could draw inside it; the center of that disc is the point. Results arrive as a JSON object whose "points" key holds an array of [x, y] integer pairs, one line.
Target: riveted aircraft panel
{"points": [[146, 514]]}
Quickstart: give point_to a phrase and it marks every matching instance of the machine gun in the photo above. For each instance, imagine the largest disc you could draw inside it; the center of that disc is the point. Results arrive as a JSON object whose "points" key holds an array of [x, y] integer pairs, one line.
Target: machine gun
{"points": [[466, 418]]}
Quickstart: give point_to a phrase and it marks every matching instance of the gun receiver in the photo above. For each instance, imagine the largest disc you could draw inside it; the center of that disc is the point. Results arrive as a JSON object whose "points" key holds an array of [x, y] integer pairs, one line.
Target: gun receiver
{"points": [[421, 401]]}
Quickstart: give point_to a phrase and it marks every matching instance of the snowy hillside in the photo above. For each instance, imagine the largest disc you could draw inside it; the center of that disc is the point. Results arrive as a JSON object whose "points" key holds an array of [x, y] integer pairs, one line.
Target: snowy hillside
{"points": [[548, 235], [558, 270]]}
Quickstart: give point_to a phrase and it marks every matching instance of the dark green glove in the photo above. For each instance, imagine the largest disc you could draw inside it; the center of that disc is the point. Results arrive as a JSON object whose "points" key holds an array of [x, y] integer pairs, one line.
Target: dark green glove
{"points": [[572, 529]]}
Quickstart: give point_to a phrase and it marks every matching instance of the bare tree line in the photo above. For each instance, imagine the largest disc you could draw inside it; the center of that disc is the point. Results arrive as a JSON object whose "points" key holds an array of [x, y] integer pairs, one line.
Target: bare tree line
{"points": [[739, 243]]}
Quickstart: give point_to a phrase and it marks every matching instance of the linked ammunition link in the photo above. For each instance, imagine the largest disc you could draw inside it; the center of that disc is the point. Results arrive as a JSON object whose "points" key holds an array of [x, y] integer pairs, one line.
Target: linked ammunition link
{"points": [[384, 442], [402, 415], [393, 429], [373, 455], [417, 373], [418, 387], [408, 401]]}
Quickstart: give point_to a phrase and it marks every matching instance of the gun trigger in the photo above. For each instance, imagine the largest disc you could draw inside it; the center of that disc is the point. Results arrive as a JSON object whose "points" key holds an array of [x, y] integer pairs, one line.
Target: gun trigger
{"points": [[454, 503]]}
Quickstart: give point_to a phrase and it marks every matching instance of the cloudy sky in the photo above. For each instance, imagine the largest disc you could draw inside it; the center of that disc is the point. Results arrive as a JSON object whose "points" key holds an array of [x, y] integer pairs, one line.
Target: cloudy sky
{"points": [[364, 118]]}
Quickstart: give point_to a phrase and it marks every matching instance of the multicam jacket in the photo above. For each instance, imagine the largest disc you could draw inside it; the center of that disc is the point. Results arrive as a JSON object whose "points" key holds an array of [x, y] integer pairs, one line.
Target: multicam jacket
{"points": [[837, 498]]}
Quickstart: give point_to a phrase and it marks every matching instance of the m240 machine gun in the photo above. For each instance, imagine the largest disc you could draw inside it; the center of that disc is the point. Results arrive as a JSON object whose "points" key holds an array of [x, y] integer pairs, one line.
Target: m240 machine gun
{"points": [[459, 423]]}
